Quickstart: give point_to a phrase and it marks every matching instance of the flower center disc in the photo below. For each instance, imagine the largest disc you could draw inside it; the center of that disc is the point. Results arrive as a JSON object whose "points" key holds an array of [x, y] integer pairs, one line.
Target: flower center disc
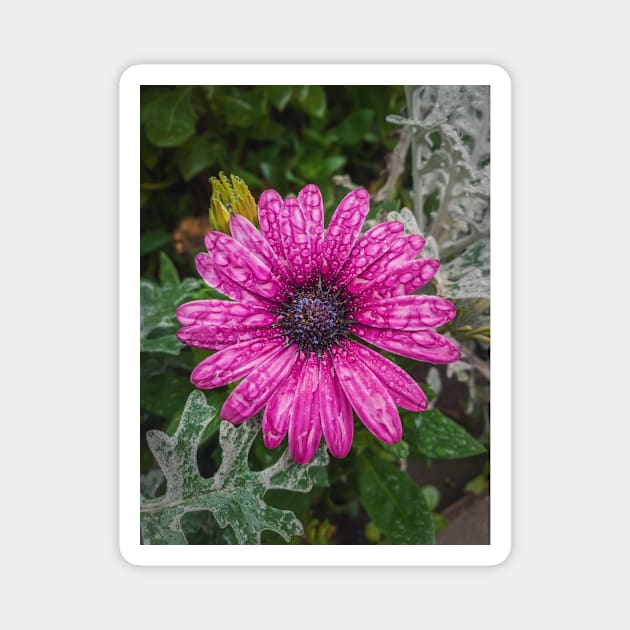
{"points": [[314, 318]]}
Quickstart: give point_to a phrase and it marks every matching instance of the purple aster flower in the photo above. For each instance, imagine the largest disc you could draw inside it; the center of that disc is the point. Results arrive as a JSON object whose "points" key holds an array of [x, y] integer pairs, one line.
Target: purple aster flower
{"points": [[302, 299]]}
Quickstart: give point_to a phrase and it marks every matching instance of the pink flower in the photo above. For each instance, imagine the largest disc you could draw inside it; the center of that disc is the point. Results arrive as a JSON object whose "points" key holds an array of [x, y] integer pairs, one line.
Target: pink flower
{"points": [[302, 296]]}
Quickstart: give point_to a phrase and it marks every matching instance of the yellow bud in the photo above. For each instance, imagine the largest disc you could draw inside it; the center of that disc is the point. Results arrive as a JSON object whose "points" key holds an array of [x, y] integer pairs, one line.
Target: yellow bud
{"points": [[230, 196], [245, 203], [219, 215]]}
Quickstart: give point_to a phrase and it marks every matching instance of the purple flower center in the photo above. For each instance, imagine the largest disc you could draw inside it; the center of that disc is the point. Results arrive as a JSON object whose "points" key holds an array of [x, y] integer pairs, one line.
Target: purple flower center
{"points": [[314, 318]]}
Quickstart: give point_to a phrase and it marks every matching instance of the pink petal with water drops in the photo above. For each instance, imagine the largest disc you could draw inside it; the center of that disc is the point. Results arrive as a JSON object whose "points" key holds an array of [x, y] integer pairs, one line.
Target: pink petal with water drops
{"points": [[296, 241], [241, 266], [343, 230], [407, 312], [232, 363], [269, 207], [405, 392], [310, 200], [253, 392], [305, 429], [275, 421], [335, 410], [401, 281], [422, 345], [224, 313], [215, 337], [370, 246], [218, 280], [368, 396], [402, 250], [248, 236]]}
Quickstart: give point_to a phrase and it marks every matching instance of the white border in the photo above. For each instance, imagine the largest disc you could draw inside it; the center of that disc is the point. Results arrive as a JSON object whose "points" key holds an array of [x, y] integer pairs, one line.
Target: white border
{"points": [[129, 315]]}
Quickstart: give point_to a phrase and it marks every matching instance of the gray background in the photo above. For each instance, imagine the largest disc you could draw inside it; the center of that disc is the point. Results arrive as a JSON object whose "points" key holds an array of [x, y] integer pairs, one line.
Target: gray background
{"points": [[60, 564]]}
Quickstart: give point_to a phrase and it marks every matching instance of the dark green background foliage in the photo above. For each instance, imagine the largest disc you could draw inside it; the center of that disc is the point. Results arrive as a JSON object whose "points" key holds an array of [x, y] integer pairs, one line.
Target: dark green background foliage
{"points": [[278, 137], [273, 137]]}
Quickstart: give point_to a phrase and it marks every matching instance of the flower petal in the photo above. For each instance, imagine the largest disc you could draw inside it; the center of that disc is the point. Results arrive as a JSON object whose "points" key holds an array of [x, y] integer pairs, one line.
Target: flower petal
{"points": [[422, 345], [232, 363], [405, 392], [305, 429], [215, 338], [241, 266], [224, 313], [402, 250], [368, 396], [269, 207], [343, 230], [253, 392], [218, 280], [275, 421], [407, 312], [401, 281], [246, 234], [310, 199], [370, 246], [296, 241], [335, 410]]}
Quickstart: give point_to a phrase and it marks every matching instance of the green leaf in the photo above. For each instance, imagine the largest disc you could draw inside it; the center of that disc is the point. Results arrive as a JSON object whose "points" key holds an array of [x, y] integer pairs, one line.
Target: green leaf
{"points": [[372, 533], [432, 496], [153, 240], [436, 436], [168, 271], [162, 394], [440, 522], [169, 119], [315, 167], [234, 494], [252, 180], [332, 164], [383, 207], [394, 502], [196, 155], [280, 95], [163, 388], [477, 485], [355, 127], [245, 109], [316, 138], [311, 99], [157, 308], [400, 450]]}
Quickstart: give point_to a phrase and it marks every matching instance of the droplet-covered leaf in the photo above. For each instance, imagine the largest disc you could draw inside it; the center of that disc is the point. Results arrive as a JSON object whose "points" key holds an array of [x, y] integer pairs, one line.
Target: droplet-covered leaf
{"points": [[436, 436], [163, 386], [468, 275], [157, 308], [394, 502], [234, 494]]}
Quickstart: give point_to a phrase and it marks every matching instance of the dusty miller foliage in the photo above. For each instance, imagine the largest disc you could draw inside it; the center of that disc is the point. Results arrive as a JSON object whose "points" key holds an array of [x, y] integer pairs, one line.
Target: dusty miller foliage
{"points": [[450, 155], [234, 494], [450, 161]]}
